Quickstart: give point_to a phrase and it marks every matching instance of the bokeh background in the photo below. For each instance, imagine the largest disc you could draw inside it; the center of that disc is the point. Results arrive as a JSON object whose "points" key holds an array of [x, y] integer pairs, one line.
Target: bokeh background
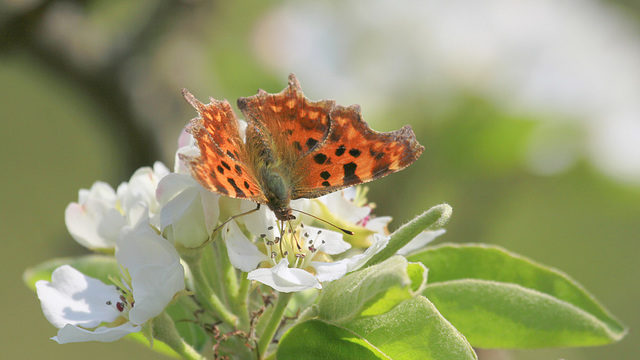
{"points": [[529, 111]]}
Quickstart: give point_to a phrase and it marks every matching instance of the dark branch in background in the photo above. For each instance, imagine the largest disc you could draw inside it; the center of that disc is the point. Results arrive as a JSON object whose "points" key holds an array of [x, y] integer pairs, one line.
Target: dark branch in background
{"points": [[103, 85]]}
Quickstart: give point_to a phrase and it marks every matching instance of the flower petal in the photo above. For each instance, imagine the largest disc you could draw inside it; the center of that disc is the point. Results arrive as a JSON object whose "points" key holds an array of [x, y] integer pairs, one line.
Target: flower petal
{"points": [[330, 271], [74, 298], [71, 333], [327, 241], [259, 222], [155, 270], [355, 262], [243, 254], [94, 222], [341, 204], [285, 279]]}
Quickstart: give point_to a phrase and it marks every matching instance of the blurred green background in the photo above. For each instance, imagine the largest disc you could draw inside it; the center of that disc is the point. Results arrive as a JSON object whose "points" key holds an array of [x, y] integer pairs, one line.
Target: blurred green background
{"points": [[529, 112]]}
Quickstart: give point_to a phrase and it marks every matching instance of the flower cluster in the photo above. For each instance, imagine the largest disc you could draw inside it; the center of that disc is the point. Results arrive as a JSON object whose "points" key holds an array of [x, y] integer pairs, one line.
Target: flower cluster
{"points": [[160, 220]]}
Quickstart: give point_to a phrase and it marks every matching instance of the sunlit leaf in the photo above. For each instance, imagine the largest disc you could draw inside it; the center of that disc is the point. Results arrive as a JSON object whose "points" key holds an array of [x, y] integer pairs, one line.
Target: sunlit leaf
{"points": [[498, 299]]}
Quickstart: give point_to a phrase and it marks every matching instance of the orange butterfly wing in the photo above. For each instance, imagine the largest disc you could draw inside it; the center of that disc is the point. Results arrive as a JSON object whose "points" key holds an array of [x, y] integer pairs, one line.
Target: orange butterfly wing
{"points": [[353, 153], [294, 124], [221, 165]]}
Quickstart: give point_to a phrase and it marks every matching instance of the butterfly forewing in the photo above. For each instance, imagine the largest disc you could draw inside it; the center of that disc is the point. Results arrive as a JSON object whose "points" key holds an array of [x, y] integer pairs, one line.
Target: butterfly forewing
{"points": [[296, 124], [353, 153], [220, 166]]}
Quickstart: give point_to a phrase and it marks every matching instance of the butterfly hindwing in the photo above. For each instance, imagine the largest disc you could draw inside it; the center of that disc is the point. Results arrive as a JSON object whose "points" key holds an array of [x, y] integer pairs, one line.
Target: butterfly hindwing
{"points": [[353, 153]]}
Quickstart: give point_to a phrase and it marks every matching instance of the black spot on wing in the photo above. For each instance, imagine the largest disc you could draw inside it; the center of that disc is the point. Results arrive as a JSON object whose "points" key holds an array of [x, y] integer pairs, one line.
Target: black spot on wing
{"points": [[311, 142], [231, 155], [238, 169], [354, 152], [325, 183], [340, 150], [325, 175], [320, 158], [225, 165], [239, 192], [297, 145], [350, 173], [220, 169]]}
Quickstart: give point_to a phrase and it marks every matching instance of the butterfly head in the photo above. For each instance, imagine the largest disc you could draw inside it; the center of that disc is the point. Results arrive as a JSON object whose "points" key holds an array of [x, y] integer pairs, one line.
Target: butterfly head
{"points": [[283, 213]]}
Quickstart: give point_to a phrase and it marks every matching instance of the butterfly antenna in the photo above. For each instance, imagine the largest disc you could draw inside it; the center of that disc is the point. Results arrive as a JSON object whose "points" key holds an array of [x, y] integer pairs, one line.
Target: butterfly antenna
{"points": [[235, 217], [348, 232]]}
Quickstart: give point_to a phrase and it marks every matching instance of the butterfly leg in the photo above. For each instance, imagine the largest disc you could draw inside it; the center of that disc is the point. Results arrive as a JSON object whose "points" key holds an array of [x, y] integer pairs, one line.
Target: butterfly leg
{"points": [[234, 217]]}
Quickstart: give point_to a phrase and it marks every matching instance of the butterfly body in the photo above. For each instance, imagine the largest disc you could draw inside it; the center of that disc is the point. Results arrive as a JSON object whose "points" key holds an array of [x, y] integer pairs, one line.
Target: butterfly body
{"points": [[292, 148]]}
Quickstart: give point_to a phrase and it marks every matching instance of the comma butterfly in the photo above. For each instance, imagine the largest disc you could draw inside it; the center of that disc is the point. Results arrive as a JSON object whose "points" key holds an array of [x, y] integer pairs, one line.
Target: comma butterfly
{"points": [[294, 148]]}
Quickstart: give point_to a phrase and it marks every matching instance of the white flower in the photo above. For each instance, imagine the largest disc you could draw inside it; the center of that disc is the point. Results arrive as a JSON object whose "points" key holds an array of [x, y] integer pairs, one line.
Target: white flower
{"points": [[100, 213], [77, 304], [348, 209], [291, 256], [186, 146], [85, 309], [95, 220], [189, 212], [141, 188]]}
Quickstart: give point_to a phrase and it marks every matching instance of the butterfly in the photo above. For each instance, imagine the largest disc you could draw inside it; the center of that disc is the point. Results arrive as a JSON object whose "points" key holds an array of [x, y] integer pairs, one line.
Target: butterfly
{"points": [[292, 148]]}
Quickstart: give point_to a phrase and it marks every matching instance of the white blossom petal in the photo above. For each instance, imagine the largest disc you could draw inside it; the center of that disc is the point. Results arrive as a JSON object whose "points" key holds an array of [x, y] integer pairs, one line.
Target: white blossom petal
{"points": [[71, 333], [357, 261], [284, 279], [327, 241], [341, 204], [379, 224], [243, 254], [330, 271], [74, 298], [186, 146], [189, 212], [259, 221], [142, 188], [94, 222], [420, 241], [155, 270]]}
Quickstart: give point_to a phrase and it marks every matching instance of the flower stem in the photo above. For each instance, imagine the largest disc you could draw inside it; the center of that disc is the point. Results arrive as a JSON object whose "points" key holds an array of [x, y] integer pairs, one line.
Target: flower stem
{"points": [[209, 264], [164, 330], [204, 292], [274, 322], [227, 271]]}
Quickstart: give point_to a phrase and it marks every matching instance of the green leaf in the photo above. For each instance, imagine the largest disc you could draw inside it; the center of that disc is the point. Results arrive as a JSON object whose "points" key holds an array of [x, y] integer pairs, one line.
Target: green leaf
{"points": [[316, 339], [412, 330], [433, 218], [502, 300], [375, 289], [95, 266]]}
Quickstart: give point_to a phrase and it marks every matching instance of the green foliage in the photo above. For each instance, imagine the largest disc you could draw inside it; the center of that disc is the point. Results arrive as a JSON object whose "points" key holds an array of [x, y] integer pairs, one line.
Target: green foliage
{"points": [[373, 314], [433, 218], [502, 300]]}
